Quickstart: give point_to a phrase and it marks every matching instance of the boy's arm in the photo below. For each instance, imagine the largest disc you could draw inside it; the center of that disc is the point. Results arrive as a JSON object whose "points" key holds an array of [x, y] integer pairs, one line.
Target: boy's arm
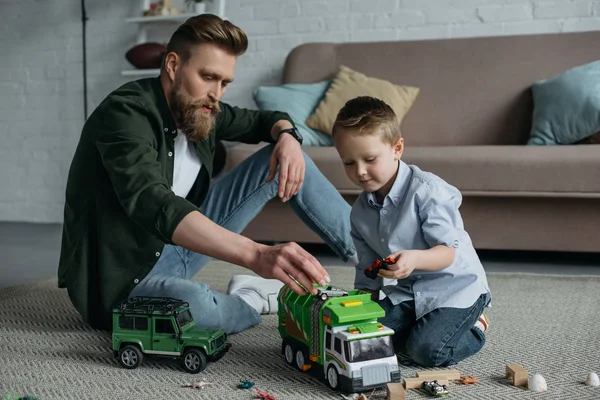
{"points": [[441, 222], [250, 126]]}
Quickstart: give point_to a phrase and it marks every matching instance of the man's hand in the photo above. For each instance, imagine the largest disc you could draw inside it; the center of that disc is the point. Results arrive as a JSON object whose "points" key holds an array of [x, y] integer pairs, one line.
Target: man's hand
{"points": [[290, 263], [288, 155], [406, 262]]}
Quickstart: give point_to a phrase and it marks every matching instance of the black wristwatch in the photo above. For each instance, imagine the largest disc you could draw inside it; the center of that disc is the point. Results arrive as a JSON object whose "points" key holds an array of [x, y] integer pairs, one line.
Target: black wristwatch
{"points": [[292, 131]]}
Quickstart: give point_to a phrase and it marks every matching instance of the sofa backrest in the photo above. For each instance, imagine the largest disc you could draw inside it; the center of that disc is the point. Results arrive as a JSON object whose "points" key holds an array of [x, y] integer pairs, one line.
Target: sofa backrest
{"points": [[473, 91]]}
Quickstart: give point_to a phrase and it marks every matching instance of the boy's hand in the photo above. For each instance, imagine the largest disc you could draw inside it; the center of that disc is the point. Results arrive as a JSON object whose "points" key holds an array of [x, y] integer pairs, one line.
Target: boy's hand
{"points": [[406, 262]]}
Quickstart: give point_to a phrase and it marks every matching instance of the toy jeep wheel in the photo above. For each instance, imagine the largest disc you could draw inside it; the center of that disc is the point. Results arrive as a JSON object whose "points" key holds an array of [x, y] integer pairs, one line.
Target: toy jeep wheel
{"points": [[333, 378], [194, 361], [130, 356]]}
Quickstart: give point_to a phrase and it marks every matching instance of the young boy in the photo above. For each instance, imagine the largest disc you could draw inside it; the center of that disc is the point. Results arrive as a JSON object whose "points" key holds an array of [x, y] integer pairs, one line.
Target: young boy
{"points": [[436, 290]]}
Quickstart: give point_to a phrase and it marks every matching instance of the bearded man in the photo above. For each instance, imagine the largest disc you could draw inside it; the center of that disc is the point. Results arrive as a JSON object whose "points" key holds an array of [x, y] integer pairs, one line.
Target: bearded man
{"points": [[142, 215]]}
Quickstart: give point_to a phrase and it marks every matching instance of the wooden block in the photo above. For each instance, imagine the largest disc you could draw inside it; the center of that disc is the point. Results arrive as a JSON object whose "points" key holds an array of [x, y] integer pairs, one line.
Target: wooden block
{"points": [[416, 383], [449, 374], [395, 391], [517, 375]]}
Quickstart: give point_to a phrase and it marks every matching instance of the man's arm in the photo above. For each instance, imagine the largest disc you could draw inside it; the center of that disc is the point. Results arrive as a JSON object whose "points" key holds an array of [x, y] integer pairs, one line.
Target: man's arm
{"points": [[250, 126]]}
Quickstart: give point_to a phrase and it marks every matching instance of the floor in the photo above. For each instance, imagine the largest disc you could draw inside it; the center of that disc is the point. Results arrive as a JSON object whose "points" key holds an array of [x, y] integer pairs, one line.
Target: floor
{"points": [[31, 253]]}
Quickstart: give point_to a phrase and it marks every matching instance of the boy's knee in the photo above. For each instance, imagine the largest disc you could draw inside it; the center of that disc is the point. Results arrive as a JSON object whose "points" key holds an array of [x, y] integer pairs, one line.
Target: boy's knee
{"points": [[425, 353]]}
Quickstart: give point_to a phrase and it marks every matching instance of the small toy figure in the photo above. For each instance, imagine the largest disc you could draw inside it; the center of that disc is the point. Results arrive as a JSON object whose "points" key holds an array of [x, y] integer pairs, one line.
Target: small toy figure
{"points": [[245, 384], [197, 384], [434, 388], [467, 380], [263, 395], [378, 264]]}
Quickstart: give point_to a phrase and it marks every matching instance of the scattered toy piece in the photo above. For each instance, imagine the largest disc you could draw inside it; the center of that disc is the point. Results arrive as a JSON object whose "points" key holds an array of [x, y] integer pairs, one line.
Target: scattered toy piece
{"points": [[417, 383], [245, 384], [197, 384], [434, 388], [467, 380], [537, 383], [395, 391], [449, 374], [592, 380], [516, 374], [263, 395]]}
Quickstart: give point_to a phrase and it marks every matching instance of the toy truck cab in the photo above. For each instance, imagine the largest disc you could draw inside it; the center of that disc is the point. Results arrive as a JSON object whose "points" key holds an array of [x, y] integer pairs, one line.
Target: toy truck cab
{"points": [[359, 357], [158, 326]]}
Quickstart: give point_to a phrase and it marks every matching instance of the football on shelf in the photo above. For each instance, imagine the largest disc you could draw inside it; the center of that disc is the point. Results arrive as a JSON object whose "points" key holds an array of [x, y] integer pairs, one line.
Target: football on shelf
{"points": [[146, 55]]}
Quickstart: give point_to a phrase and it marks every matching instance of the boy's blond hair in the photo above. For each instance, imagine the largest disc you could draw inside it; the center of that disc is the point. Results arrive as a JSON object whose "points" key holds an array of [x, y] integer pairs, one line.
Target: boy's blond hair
{"points": [[365, 115]]}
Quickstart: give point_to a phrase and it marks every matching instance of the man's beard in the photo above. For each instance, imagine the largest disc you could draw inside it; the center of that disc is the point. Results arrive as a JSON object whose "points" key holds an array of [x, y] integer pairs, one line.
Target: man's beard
{"points": [[195, 123]]}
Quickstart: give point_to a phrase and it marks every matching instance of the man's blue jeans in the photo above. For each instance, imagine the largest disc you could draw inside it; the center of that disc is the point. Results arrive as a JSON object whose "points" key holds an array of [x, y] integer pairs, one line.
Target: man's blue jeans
{"points": [[440, 338], [232, 202]]}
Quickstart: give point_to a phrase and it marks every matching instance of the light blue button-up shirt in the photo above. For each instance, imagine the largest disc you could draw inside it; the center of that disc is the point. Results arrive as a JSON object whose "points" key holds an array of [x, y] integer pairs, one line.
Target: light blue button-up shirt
{"points": [[419, 212]]}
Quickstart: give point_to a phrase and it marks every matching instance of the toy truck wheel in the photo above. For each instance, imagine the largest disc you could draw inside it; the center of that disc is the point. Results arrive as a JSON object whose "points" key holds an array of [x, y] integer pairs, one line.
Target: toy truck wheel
{"points": [[130, 356], [288, 352], [194, 361], [301, 357], [333, 378]]}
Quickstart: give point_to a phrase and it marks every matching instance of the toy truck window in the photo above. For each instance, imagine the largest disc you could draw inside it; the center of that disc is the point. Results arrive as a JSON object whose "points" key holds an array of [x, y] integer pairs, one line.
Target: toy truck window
{"points": [[184, 318], [163, 325], [338, 345], [328, 340], [133, 323], [371, 349]]}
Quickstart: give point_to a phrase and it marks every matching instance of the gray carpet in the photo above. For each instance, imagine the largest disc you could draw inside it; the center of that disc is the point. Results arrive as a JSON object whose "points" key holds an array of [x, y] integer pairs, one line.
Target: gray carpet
{"points": [[548, 324]]}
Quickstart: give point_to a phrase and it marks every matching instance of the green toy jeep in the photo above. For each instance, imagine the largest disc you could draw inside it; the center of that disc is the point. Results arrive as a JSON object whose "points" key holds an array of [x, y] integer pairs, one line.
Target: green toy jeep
{"points": [[163, 326]]}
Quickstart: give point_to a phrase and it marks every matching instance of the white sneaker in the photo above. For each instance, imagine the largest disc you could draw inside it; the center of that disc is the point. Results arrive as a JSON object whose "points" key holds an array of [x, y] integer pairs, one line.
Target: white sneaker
{"points": [[259, 293]]}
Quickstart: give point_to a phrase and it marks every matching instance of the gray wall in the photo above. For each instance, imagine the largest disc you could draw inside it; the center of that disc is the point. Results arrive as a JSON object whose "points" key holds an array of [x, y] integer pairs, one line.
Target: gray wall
{"points": [[41, 90]]}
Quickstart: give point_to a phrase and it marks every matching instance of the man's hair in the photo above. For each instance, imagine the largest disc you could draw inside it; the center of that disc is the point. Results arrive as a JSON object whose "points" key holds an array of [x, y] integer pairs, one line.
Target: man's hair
{"points": [[207, 28], [365, 115]]}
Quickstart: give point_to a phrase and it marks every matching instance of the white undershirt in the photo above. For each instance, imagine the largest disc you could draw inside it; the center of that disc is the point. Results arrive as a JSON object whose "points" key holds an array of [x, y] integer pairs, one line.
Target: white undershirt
{"points": [[186, 165]]}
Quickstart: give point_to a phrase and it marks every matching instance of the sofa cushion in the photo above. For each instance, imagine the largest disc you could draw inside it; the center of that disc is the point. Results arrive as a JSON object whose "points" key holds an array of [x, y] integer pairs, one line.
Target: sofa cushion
{"points": [[299, 101], [348, 84], [567, 106], [481, 170]]}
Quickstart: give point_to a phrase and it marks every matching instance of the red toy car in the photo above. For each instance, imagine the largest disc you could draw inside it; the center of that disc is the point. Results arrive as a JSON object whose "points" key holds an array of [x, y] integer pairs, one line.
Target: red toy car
{"points": [[378, 264]]}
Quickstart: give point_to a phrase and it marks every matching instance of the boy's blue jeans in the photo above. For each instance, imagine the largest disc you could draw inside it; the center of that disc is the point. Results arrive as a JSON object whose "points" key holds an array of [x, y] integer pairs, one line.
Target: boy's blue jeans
{"points": [[232, 202], [440, 338]]}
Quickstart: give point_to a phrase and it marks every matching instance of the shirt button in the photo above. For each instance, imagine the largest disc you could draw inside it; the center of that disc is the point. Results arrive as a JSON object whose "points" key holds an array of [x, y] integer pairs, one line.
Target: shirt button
{"points": [[157, 254], [166, 129], [170, 154], [384, 211], [136, 280], [418, 276], [418, 293], [382, 240]]}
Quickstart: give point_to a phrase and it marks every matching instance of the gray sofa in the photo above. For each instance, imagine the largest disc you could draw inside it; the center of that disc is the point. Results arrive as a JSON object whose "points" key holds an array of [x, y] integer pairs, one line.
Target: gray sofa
{"points": [[469, 125]]}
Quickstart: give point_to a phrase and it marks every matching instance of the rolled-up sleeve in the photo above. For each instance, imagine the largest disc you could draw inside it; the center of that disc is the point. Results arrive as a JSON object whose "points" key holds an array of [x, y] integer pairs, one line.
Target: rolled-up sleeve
{"points": [[438, 211], [366, 256], [131, 162]]}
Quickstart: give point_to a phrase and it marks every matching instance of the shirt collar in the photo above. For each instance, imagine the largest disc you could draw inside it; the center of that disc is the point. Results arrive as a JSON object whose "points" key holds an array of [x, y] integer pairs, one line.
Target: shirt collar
{"points": [[169, 127], [398, 188]]}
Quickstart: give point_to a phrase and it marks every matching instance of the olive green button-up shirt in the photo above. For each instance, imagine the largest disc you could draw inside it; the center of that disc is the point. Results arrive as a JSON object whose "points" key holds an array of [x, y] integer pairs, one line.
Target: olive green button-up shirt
{"points": [[120, 209]]}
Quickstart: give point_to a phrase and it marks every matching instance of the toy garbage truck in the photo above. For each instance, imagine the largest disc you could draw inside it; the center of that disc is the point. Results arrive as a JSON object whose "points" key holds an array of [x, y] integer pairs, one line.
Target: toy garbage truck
{"points": [[336, 335]]}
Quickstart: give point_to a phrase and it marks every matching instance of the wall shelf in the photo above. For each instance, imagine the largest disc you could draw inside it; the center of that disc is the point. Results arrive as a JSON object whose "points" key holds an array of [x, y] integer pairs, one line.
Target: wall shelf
{"points": [[216, 7], [160, 18], [141, 72]]}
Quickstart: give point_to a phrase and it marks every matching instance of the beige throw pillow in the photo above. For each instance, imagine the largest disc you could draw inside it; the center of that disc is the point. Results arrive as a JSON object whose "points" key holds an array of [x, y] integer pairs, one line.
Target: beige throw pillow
{"points": [[349, 84]]}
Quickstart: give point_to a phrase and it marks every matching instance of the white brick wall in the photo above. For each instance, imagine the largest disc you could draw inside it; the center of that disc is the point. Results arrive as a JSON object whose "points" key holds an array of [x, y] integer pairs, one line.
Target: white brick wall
{"points": [[41, 89]]}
